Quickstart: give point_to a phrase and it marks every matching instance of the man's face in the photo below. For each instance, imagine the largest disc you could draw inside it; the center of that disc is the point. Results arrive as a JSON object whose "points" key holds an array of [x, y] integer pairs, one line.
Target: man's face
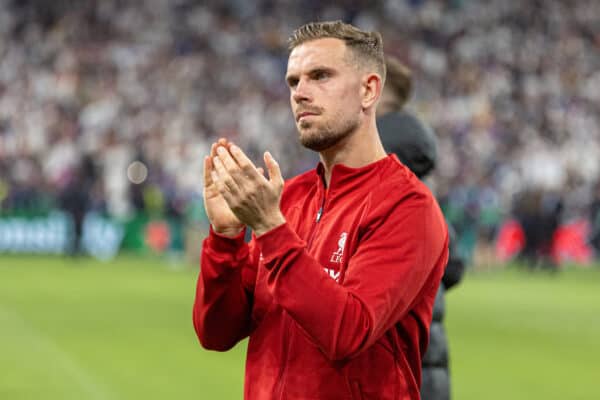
{"points": [[324, 92]]}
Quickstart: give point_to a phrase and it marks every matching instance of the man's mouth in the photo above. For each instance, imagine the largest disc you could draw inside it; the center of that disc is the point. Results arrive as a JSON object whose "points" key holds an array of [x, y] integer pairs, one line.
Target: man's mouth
{"points": [[304, 114]]}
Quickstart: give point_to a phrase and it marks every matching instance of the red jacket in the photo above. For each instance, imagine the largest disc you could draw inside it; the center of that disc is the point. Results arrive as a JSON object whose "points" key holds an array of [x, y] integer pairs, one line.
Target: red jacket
{"points": [[338, 301]]}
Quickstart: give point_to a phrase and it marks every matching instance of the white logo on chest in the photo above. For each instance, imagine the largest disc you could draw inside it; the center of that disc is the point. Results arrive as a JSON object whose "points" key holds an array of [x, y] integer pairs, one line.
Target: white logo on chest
{"points": [[337, 256]]}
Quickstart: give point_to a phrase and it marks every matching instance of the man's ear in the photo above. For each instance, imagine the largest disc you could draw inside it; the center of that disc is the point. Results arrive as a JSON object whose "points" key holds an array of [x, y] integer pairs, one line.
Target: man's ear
{"points": [[371, 87]]}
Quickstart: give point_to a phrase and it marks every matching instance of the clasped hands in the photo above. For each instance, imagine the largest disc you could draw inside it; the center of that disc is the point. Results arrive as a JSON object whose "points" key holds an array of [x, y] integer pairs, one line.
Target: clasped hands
{"points": [[236, 193]]}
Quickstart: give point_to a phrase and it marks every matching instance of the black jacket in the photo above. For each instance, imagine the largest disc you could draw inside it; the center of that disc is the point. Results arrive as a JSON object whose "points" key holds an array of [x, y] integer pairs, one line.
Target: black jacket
{"points": [[414, 143], [435, 374]]}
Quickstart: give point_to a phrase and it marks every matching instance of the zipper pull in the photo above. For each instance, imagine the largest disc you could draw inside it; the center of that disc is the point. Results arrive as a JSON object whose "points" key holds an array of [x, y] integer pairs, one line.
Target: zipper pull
{"points": [[319, 213]]}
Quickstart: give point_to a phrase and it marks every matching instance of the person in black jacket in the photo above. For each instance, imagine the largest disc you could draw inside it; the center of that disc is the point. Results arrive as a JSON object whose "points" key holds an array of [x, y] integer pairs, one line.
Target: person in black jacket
{"points": [[594, 215], [75, 200], [414, 143]]}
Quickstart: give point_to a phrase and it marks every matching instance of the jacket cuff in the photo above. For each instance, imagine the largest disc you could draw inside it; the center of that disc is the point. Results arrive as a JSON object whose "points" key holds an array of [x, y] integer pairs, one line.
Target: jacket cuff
{"points": [[224, 244], [277, 242]]}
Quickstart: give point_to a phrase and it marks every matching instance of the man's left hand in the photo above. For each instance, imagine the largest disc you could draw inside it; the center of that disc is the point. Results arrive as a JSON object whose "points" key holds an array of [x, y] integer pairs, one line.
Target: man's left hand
{"points": [[253, 198]]}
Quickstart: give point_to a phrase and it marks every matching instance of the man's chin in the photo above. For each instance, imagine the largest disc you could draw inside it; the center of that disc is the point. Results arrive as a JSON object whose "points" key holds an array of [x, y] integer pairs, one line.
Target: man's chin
{"points": [[316, 142]]}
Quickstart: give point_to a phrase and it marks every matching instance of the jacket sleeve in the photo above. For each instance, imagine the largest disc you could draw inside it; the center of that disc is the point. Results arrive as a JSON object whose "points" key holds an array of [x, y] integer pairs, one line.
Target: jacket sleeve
{"points": [[401, 253], [224, 292], [456, 263]]}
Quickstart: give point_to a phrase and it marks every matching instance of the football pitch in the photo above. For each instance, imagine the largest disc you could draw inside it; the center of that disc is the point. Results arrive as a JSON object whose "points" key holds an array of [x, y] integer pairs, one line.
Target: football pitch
{"points": [[122, 330]]}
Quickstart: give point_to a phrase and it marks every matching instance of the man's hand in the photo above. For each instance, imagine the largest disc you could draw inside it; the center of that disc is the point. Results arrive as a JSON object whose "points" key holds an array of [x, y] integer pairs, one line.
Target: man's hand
{"points": [[252, 198], [222, 219]]}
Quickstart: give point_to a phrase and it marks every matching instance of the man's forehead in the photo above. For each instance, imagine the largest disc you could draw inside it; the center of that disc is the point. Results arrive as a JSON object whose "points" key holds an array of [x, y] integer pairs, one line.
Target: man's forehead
{"points": [[322, 52]]}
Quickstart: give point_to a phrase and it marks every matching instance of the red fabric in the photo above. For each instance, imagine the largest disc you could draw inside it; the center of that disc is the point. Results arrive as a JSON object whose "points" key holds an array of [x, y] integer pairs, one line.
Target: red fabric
{"points": [[335, 309], [569, 243], [511, 240], [158, 236]]}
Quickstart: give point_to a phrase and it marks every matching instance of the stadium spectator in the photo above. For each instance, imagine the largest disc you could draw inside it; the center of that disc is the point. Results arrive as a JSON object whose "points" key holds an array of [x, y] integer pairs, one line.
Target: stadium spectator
{"points": [[538, 212], [336, 291], [595, 219], [76, 201]]}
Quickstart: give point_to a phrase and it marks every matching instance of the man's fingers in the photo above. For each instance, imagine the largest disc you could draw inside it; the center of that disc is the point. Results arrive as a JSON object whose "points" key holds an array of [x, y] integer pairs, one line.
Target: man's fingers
{"points": [[221, 187], [224, 177], [274, 171], [244, 162], [215, 178], [233, 165], [208, 167], [220, 142], [230, 165]]}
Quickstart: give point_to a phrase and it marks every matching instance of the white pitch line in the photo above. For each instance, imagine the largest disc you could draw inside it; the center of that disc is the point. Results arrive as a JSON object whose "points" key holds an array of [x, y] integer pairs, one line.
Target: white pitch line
{"points": [[44, 344]]}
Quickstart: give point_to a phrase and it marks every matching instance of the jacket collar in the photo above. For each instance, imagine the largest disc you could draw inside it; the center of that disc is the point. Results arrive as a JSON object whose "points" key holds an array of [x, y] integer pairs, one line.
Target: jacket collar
{"points": [[345, 178]]}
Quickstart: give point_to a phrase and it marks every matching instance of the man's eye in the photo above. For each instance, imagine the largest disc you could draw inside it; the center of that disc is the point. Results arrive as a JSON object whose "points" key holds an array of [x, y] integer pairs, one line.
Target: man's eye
{"points": [[293, 83], [321, 75]]}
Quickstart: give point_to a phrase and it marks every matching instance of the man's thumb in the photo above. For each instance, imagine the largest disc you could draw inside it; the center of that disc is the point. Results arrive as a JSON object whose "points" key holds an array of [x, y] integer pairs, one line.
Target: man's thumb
{"points": [[273, 168]]}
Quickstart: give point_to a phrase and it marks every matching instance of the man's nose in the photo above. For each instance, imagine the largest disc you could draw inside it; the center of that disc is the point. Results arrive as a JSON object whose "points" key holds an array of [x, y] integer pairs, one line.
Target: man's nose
{"points": [[301, 92]]}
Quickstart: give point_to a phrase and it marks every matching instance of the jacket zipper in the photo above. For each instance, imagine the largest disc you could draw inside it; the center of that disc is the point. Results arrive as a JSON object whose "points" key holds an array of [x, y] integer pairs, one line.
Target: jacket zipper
{"points": [[316, 223], [286, 322]]}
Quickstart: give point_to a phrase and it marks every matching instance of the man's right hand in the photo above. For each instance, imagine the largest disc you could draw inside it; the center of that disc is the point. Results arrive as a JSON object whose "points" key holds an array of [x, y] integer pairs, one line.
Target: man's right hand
{"points": [[222, 219]]}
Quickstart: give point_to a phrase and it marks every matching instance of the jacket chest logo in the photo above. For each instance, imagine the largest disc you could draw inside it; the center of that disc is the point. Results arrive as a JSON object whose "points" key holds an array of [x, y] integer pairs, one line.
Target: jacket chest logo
{"points": [[338, 255]]}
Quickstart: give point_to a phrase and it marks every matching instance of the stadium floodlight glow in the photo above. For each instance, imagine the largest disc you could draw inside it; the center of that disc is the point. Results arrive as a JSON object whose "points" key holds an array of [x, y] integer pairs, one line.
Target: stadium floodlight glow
{"points": [[137, 172]]}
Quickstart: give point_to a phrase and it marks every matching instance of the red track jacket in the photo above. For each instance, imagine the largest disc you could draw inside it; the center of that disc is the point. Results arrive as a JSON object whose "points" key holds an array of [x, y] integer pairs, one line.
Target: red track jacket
{"points": [[338, 301]]}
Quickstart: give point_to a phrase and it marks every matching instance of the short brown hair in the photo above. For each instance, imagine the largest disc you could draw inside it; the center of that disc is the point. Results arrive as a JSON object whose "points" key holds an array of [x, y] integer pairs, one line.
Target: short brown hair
{"points": [[367, 47], [399, 80]]}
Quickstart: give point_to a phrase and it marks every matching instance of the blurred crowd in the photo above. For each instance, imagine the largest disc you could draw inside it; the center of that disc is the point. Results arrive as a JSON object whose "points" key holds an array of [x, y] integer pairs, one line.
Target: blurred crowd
{"points": [[512, 89]]}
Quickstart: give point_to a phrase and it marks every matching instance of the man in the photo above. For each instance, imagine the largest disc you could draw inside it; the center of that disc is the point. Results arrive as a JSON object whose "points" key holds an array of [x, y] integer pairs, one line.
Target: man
{"points": [[76, 201], [414, 143], [397, 89], [336, 288]]}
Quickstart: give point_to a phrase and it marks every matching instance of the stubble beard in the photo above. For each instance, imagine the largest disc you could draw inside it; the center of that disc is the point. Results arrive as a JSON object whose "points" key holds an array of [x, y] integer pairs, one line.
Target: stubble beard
{"points": [[320, 138]]}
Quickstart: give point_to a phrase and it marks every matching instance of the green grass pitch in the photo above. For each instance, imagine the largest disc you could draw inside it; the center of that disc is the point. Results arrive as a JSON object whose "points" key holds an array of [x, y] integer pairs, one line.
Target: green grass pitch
{"points": [[122, 330]]}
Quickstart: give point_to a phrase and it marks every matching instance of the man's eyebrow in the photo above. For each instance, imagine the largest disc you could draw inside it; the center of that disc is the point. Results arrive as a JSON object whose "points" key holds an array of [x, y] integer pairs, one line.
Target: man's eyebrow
{"points": [[290, 78], [320, 68]]}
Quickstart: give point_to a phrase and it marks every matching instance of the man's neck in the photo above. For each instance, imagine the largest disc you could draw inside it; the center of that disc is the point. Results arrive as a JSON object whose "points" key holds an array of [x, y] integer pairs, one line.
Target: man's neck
{"points": [[361, 148]]}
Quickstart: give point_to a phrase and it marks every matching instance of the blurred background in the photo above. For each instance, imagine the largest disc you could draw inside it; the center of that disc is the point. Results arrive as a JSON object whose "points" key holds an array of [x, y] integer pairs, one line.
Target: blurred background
{"points": [[108, 106]]}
